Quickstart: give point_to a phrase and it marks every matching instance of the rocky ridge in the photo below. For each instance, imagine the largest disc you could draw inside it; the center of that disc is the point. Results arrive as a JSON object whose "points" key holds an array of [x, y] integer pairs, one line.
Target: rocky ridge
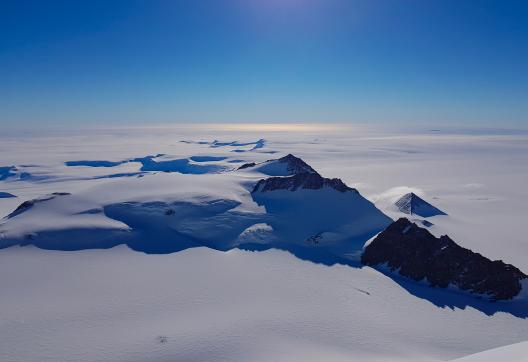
{"points": [[413, 252]]}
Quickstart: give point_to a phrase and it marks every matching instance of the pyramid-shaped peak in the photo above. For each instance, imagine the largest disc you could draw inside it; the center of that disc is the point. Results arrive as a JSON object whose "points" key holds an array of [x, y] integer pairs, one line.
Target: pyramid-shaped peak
{"points": [[285, 166], [289, 157], [413, 204], [295, 165]]}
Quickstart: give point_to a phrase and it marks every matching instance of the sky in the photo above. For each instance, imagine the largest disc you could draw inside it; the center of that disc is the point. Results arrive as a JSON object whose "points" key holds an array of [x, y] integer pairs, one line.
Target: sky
{"points": [[147, 62]]}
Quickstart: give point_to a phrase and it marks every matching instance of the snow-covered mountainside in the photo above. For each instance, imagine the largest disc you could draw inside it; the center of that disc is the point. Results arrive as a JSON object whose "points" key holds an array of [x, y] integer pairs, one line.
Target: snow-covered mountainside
{"points": [[313, 217], [412, 204], [268, 273], [154, 218]]}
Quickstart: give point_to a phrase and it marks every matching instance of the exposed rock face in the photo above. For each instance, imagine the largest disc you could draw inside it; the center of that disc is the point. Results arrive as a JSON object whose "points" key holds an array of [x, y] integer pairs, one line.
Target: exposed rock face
{"points": [[311, 181], [26, 205], [417, 254], [303, 176], [247, 165], [295, 165], [412, 204], [290, 165]]}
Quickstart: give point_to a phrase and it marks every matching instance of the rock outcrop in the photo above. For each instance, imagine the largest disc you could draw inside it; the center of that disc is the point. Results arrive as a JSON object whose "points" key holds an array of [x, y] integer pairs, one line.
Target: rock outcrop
{"points": [[284, 166], [415, 253], [26, 205], [247, 165], [299, 176], [310, 181], [295, 165]]}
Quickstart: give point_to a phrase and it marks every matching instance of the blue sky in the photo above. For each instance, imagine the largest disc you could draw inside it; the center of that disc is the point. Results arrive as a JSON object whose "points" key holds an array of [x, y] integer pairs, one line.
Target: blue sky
{"points": [[147, 62]]}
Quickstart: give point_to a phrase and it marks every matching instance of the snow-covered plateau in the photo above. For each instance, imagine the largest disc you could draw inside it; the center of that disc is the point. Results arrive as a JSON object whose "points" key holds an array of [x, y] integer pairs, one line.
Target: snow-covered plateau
{"points": [[228, 243]]}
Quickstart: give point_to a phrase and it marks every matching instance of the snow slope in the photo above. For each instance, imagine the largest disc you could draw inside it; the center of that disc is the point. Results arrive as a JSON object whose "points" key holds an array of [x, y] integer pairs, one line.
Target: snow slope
{"points": [[168, 212], [517, 352], [202, 304], [120, 305]]}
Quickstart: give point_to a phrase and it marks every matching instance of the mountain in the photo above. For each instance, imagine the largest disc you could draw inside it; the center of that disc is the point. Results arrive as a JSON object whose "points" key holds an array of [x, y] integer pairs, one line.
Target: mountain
{"points": [[302, 212], [412, 204], [284, 166], [320, 213], [304, 180], [415, 253]]}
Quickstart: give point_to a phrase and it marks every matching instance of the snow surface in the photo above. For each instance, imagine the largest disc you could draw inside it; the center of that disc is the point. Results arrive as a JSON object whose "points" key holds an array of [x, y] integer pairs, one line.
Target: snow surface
{"points": [[202, 304], [517, 352], [114, 305]]}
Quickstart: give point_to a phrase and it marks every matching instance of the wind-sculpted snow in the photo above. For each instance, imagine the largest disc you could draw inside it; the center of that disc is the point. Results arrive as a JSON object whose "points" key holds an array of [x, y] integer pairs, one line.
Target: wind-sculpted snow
{"points": [[208, 158], [6, 195], [180, 165], [94, 163], [15, 173], [7, 171], [159, 227], [255, 145], [154, 163], [118, 175], [234, 146]]}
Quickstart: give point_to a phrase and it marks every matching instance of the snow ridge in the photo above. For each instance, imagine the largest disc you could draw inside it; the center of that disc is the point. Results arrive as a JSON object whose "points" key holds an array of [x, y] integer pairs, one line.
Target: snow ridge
{"points": [[305, 180]]}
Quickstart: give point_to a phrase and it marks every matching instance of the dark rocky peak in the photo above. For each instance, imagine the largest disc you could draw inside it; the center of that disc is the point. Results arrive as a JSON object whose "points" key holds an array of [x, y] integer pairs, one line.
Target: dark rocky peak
{"points": [[415, 253], [247, 165], [412, 204], [295, 165], [26, 205], [306, 180]]}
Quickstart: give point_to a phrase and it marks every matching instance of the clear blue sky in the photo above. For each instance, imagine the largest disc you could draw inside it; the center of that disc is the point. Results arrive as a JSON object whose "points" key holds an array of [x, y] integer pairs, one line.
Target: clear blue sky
{"points": [[410, 61]]}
